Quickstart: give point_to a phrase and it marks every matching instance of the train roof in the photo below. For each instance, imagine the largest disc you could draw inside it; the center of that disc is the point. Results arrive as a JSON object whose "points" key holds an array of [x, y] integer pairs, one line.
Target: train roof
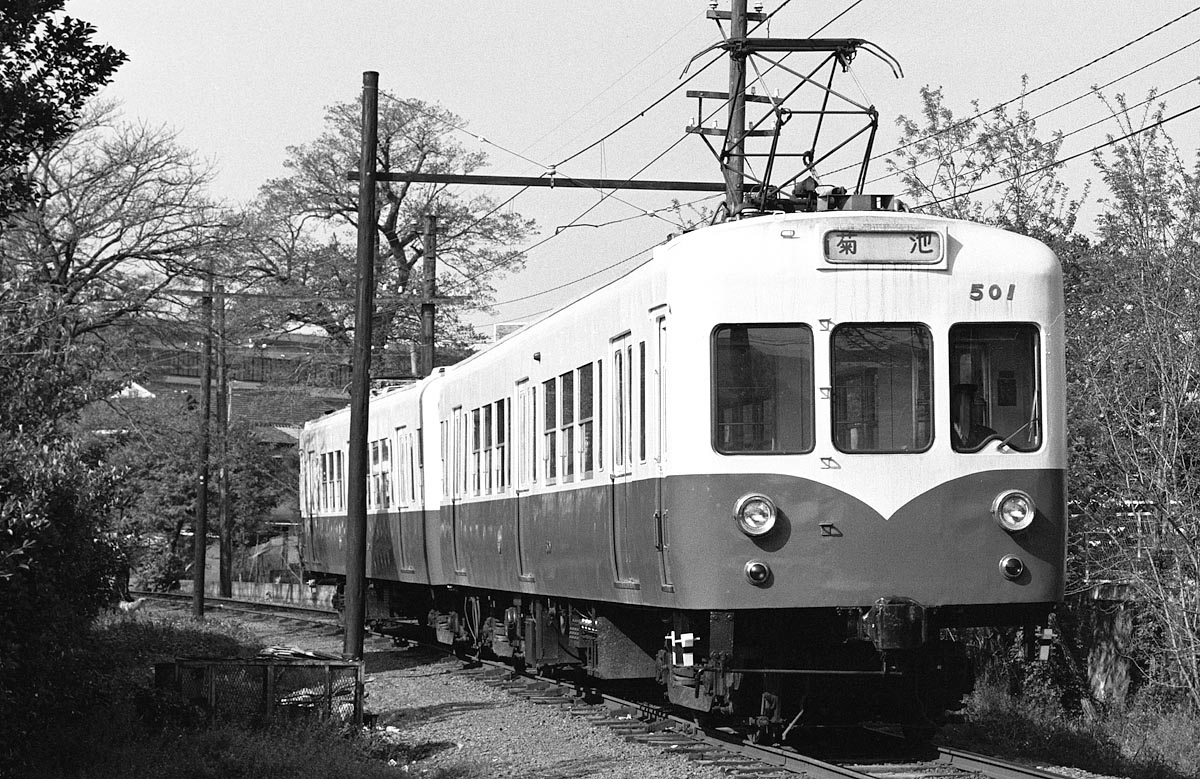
{"points": [[703, 235]]}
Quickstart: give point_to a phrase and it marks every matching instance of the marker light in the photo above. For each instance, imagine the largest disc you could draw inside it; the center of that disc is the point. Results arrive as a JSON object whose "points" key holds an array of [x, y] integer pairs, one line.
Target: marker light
{"points": [[1012, 567], [755, 514], [1013, 510], [758, 573]]}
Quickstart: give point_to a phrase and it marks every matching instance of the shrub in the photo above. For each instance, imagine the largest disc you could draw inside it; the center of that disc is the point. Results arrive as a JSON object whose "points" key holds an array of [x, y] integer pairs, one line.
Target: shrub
{"points": [[56, 571]]}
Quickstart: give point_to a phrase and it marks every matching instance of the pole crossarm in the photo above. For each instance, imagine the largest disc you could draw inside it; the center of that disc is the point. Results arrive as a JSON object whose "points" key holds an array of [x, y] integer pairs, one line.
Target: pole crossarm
{"points": [[550, 182]]}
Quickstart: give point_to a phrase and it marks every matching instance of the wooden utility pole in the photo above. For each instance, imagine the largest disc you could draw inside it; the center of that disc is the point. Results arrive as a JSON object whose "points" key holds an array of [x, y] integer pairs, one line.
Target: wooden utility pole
{"points": [[735, 135], [360, 379], [200, 525], [226, 519], [429, 271]]}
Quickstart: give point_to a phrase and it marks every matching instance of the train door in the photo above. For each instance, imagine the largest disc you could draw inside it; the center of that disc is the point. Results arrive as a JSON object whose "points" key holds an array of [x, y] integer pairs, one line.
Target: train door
{"points": [[622, 453], [526, 458], [397, 482], [458, 485], [662, 538]]}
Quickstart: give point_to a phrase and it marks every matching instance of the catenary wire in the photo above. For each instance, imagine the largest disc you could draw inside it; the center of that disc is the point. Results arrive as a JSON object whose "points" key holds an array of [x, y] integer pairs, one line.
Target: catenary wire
{"points": [[1073, 100], [1063, 161], [1055, 80], [1076, 131], [602, 270], [575, 281], [616, 81], [670, 92], [506, 150], [678, 141]]}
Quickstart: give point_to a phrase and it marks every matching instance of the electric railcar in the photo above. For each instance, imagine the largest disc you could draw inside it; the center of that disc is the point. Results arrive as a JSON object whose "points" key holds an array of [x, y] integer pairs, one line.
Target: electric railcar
{"points": [[774, 468]]}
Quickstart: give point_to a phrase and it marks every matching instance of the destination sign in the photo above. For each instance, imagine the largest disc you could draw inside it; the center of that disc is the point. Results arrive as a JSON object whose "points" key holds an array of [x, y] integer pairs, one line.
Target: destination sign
{"points": [[909, 247]]}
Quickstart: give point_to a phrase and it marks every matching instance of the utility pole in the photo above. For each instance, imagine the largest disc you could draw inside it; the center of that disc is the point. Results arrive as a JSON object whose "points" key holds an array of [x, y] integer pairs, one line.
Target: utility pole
{"points": [[226, 519], [735, 135], [360, 379], [200, 525], [429, 271]]}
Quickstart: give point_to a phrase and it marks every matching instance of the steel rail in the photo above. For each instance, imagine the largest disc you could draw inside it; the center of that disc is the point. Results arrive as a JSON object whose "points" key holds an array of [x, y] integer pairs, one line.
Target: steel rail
{"points": [[655, 724], [247, 606], [991, 766]]}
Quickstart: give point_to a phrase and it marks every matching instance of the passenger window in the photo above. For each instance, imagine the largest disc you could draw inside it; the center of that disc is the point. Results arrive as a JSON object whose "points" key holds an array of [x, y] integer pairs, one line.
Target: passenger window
{"points": [[882, 388], [587, 457], [763, 389], [551, 431], [994, 387], [566, 383]]}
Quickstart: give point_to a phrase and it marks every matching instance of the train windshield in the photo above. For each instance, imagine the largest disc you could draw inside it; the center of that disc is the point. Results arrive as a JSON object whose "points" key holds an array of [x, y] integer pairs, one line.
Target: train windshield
{"points": [[882, 388], [763, 389], [994, 387]]}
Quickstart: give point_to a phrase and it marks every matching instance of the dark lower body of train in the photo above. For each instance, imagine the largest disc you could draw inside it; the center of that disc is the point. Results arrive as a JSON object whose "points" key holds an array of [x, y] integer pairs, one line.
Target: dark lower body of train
{"points": [[839, 615]]}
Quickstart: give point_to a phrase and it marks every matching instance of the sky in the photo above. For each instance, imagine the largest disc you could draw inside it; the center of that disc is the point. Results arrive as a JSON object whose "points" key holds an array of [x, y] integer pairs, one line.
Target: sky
{"points": [[535, 82]]}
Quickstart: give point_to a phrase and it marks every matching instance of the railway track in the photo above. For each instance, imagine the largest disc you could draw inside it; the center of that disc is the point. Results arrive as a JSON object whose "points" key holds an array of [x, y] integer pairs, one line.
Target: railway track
{"points": [[656, 727], [833, 755], [253, 609]]}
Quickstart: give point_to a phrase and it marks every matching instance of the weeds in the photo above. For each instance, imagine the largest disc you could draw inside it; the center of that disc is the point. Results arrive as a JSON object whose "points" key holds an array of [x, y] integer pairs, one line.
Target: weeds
{"points": [[129, 729], [1148, 740]]}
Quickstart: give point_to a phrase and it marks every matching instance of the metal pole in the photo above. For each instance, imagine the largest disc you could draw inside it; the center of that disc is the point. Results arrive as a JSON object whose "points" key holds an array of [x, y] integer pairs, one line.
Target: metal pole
{"points": [[200, 525], [429, 241], [226, 519], [360, 379], [735, 142]]}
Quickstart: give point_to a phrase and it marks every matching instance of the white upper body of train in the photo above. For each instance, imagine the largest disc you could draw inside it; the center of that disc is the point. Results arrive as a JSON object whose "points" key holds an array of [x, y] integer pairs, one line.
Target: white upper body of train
{"points": [[792, 410]]}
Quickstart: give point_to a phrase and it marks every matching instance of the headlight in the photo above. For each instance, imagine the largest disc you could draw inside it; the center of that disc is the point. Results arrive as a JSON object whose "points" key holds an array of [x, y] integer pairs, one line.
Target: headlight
{"points": [[1013, 510], [755, 514]]}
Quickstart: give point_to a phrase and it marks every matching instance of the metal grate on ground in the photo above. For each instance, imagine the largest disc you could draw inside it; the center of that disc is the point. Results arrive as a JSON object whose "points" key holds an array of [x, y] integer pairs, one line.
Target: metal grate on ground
{"points": [[279, 685]]}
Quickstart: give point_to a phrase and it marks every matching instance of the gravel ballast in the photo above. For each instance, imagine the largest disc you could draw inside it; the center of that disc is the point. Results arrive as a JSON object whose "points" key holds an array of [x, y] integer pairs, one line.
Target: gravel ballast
{"points": [[455, 725]]}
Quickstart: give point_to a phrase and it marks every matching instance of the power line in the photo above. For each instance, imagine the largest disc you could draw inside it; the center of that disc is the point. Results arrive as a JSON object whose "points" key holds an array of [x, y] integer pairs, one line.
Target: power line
{"points": [[1088, 126], [618, 80], [602, 270], [1052, 81], [681, 139], [849, 8], [575, 281], [552, 170], [1064, 161], [670, 92], [1075, 99]]}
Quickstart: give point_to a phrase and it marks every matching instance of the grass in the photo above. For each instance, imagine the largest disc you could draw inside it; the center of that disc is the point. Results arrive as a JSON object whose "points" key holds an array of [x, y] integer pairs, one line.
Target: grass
{"points": [[114, 739], [1146, 740]]}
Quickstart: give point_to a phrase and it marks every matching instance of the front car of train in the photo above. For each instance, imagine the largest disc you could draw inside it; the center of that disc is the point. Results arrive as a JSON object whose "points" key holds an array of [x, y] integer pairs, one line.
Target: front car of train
{"points": [[883, 463]]}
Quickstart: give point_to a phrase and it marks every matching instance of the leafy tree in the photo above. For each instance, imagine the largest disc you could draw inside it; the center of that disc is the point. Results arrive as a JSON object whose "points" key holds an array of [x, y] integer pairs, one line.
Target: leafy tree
{"points": [[945, 162], [49, 67], [114, 213], [1135, 398], [55, 558], [154, 452], [305, 224]]}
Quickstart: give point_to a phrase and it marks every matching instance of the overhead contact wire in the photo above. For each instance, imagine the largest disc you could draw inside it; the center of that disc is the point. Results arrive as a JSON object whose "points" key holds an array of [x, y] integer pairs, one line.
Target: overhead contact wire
{"points": [[1055, 80], [1063, 161], [1075, 99], [668, 94]]}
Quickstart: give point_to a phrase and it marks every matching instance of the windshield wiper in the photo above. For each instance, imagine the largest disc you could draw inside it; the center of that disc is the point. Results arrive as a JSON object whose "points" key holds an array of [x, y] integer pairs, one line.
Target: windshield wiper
{"points": [[1031, 424]]}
